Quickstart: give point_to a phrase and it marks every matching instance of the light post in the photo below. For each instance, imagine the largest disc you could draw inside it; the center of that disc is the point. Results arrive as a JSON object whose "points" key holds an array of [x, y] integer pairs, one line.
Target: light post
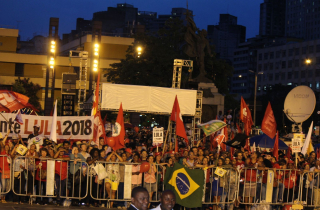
{"points": [[95, 57], [139, 50], [255, 94]]}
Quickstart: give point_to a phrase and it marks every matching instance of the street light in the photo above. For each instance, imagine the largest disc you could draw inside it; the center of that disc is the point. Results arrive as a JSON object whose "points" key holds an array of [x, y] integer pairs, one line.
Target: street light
{"points": [[255, 94], [308, 61], [139, 50], [96, 57]]}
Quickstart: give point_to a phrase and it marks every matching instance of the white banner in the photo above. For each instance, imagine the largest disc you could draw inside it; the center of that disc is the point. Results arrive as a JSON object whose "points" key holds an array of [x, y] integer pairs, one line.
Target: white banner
{"points": [[79, 127], [147, 99]]}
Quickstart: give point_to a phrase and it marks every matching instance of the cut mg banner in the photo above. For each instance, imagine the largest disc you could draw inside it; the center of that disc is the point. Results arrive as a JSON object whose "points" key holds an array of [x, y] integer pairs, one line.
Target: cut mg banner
{"points": [[79, 127]]}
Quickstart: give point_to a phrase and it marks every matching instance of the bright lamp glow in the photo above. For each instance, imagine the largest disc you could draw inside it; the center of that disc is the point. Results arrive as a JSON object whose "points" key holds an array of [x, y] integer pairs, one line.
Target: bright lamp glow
{"points": [[53, 42], [51, 62], [52, 58], [139, 49], [95, 65], [51, 67], [96, 45], [308, 61], [96, 53], [52, 50], [95, 69], [95, 61]]}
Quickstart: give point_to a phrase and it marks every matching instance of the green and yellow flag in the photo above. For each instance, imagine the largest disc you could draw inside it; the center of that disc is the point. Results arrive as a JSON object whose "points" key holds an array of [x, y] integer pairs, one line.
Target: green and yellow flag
{"points": [[187, 184]]}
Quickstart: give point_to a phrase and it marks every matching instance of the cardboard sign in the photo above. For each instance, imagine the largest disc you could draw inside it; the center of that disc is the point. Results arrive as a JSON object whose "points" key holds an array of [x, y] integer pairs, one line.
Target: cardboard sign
{"points": [[296, 145], [220, 172], [21, 149], [157, 136]]}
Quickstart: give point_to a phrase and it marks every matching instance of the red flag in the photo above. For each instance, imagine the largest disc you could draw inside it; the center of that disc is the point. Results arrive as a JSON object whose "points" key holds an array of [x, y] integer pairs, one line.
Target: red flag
{"points": [[98, 128], [238, 128], [276, 147], [176, 147], [214, 143], [96, 96], [245, 117], [10, 101], [223, 146], [269, 125], [289, 151], [118, 131], [318, 154], [177, 117], [231, 153]]}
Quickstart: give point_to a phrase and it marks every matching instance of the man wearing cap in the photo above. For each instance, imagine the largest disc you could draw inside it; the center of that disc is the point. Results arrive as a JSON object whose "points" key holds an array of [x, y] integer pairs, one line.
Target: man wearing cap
{"points": [[35, 137]]}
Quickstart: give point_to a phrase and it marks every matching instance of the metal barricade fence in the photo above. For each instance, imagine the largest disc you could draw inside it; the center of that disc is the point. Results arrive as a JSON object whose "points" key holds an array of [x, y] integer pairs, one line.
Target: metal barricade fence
{"points": [[47, 177], [115, 180], [220, 189], [310, 189], [269, 186], [5, 174]]}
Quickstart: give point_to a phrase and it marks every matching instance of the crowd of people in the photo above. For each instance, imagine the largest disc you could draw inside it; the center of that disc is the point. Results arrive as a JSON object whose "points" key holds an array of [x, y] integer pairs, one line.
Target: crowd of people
{"points": [[75, 161]]}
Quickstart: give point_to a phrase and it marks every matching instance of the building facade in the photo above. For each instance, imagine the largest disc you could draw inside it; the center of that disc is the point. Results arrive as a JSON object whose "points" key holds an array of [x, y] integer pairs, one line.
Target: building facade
{"points": [[287, 65]]}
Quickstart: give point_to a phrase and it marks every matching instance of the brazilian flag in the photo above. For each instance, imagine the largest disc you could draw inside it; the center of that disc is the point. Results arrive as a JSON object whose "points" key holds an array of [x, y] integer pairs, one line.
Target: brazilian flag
{"points": [[187, 184]]}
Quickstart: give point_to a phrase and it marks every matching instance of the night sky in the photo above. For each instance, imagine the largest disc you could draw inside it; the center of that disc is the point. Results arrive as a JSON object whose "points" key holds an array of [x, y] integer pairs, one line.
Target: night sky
{"points": [[32, 17]]}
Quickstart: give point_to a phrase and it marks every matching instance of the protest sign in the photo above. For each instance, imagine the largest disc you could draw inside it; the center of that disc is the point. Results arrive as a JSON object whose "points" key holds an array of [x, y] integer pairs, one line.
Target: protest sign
{"points": [[157, 137]]}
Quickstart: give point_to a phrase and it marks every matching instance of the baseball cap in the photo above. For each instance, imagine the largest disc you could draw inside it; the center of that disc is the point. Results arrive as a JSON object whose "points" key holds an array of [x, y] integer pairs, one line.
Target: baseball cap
{"points": [[36, 125], [129, 150]]}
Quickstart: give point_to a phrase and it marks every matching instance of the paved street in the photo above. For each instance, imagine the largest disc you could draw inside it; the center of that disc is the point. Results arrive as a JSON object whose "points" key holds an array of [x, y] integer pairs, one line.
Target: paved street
{"points": [[12, 206]]}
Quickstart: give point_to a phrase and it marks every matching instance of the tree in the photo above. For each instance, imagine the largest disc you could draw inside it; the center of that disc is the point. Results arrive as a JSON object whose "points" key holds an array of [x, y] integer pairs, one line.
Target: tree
{"points": [[28, 88]]}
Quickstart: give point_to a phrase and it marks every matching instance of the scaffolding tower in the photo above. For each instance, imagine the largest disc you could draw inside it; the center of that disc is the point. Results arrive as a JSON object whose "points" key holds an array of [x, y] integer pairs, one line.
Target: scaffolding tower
{"points": [[178, 64], [83, 69]]}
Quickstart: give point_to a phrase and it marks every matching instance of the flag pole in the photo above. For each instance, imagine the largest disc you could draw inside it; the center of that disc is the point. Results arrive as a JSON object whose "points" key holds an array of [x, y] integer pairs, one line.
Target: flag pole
{"points": [[6, 121], [165, 141]]}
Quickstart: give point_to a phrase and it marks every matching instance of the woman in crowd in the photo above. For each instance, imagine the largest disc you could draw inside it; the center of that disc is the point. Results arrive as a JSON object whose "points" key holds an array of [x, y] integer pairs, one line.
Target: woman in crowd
{"points": [[19, 178], [76, 177], [150, 182], [31, 156], [113, 175], [41, 176]]}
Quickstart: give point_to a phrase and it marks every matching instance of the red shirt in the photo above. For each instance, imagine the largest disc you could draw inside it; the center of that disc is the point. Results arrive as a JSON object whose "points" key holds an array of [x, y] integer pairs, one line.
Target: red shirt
{"points": [[4, 165], [291, 180], [279, 174], [251, 173], [240, 165], [43, 168], [61, 169]]}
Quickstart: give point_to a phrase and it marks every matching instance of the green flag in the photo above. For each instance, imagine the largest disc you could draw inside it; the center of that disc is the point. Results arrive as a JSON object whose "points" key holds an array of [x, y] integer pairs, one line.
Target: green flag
{"points": [[187, 185], [212, 126]]}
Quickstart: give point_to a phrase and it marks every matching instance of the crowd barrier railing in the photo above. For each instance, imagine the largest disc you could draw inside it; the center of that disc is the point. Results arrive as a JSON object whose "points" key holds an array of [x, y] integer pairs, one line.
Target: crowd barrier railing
{"points": [[113, 181], [310, 189], [269, 186], [5, 174], [220, 186], [47, 177]]}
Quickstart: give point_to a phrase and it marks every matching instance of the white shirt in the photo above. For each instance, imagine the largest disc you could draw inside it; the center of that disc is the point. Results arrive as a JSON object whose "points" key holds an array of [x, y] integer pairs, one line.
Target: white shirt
{"points": [[157, 208]]}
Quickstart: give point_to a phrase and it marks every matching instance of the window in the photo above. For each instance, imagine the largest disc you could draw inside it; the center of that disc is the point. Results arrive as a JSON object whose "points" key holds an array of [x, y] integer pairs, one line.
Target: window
{"points": [[317, 73], [284, 52], [260, 67], [265, 67], [260, 56], [317, 85], [276, 77], [283, 76], [283, 64], [290, 64], [271, 66], [296, 74], [310, 73], [296, 63], [278, 54], [270, 77], [19, 70], [290, 52], [303, 74], [310, 49], [271, 55], [266, 55], [310, 84], [318, 60], [296, 51], [304, 50], [289, 75], [318, 48]]}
